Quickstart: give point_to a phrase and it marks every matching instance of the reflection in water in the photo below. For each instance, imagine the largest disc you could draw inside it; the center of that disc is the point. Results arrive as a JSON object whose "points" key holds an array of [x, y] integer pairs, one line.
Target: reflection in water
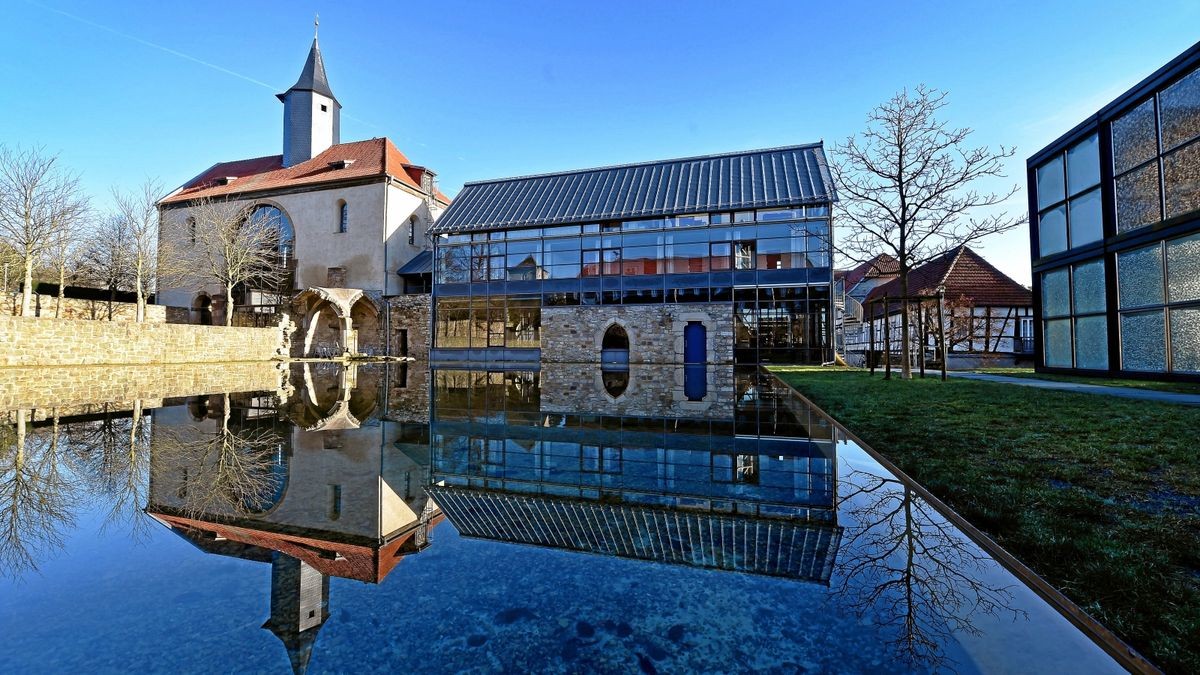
{"points": [[327, 476]]}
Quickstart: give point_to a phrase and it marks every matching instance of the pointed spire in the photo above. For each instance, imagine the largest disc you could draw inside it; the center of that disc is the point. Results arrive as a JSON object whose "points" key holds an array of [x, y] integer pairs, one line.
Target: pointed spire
{"points": [[312, 78]]}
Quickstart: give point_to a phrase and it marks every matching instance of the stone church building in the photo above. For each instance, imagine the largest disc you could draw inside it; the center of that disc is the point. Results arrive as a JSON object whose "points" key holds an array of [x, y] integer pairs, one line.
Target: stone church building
{"points": [[352, 217]]}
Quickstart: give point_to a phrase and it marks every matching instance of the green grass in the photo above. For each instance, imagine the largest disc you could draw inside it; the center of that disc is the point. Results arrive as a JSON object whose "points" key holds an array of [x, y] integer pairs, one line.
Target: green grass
{"points": [[1177, 387], [1099, 495]]}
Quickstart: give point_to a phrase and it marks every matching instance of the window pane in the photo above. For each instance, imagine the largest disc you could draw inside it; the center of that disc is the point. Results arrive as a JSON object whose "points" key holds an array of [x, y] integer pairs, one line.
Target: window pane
{"points": [[1137, 198], [1181, 174], [1052, 231], [1185, 340], [1091, 342], [1050, 183], [1143, 341], [743, 217], [780, 214], [523, 326], [1086, 224], [1056, 293], [1140, 277], [1180, 110], [1183, 269], [1058, 343], [1133, 137], [1088, 286], [1083, 165]]}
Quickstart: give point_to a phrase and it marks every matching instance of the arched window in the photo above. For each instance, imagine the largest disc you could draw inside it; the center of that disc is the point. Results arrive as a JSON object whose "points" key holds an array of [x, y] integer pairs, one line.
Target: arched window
{"points": [[343, 217], [614, 348], [271, 215]]}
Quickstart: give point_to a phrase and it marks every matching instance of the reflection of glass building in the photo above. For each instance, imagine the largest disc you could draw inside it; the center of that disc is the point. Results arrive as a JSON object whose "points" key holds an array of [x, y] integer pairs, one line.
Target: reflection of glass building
{"points": [[1115, 234], [697, 259], [698, 492]]}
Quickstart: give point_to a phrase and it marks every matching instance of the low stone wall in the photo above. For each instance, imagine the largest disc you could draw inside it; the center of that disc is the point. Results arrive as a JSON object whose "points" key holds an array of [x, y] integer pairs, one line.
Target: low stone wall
{"points": [[64, 342], [575, 334], [409, 314], [44, 306]]}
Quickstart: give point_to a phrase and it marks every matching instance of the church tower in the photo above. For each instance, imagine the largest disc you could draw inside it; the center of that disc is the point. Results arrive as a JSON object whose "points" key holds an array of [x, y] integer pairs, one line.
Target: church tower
{"points": [[312, 117]]}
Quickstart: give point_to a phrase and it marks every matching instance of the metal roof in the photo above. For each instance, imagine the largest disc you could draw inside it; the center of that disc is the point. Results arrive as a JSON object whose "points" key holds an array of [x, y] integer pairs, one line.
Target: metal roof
{"points": [[421, 263], [312, 78], [789, 176]]}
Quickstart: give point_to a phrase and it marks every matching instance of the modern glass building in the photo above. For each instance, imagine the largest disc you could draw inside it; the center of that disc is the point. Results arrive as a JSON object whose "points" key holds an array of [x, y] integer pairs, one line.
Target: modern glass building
{"points": [[1115, 234], [694, 260]]}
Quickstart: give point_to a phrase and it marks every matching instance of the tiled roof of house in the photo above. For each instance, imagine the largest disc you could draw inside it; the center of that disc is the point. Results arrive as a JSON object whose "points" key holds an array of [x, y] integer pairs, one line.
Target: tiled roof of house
{"points": [[881, 265], [964, 274], [790, 176], [374, 157]]}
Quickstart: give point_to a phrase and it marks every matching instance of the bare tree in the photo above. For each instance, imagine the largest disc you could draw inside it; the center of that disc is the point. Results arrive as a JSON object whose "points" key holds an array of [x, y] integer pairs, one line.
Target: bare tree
{"points": [[153, 262], [106, 256], [63, 257], [236, 248], [908, 188], [37, 200]]}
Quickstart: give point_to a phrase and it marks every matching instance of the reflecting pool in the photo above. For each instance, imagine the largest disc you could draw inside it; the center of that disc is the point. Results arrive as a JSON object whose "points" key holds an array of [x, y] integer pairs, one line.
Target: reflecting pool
{"points": [[319, 518]]}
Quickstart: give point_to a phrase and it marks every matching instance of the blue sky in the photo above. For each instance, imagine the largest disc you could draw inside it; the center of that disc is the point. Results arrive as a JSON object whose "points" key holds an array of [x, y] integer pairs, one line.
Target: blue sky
{"points": [[126, 90]]}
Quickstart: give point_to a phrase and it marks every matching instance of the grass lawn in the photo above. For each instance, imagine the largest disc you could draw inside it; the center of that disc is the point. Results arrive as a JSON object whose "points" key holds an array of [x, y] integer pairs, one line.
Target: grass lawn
{"points": [[1178, 387], [1099, 495]]}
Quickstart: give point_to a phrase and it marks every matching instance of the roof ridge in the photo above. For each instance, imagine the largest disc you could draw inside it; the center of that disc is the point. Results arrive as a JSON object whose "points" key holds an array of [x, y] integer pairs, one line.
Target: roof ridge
{"points": [[568, 172], [949, 268]]}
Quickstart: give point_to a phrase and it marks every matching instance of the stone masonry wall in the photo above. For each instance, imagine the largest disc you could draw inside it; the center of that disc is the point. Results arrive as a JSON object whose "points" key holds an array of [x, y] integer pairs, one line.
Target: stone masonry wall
{"points": [[411, 313], [652, 391], [575, 334], [65, 342], [74, 308]]}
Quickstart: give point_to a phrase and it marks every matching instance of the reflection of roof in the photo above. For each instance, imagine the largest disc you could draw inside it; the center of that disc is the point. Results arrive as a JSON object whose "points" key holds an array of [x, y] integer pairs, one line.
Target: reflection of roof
{"points": [[377, 157], [421, 263], [777, 547], [339, 559], [881, 265], [963, 273], [753, 179]]}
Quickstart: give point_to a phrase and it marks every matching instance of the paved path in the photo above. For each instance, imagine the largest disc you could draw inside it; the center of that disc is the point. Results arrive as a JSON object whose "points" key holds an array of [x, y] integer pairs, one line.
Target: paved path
{"points": [[1122, 392]]}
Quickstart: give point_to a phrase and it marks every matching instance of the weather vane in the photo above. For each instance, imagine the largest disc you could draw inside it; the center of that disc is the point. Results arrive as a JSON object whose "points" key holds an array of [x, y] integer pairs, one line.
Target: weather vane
{"points": [[316, 24]]}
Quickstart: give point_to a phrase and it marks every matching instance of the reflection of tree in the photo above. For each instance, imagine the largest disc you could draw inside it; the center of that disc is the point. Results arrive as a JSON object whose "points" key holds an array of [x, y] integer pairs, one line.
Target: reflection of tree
{"points": [[914, 572], [229, 471], [35, 495], [114, 454]]}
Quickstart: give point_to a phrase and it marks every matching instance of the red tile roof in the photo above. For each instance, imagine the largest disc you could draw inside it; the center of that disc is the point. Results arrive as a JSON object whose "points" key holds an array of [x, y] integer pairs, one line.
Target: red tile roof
{"points": [[965, 274], [881, 265], [376, 157]]}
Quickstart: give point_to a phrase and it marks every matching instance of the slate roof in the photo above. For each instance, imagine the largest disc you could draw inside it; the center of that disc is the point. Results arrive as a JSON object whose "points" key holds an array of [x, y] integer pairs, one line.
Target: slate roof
{"points": [[375, 157], [312, 78], [421, 263], [789, 176], [964, 273]]}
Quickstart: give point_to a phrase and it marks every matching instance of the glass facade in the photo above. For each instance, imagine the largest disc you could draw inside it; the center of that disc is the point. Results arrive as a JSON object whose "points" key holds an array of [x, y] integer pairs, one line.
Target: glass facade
{"points": [[490, 287], [1143, 315]]}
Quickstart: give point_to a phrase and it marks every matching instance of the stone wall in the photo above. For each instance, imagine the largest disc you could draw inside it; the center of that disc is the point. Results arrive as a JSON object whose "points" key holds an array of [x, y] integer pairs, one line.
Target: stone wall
{"points": [[74, 308], [63, 342], [409, 313], [575, 334], [408, 392], [650, 391], [75, 390]]}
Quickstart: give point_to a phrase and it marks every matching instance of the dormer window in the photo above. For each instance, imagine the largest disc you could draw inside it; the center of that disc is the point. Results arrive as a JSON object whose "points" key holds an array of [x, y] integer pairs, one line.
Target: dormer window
{"points": [[226, 180], [341, 164], [343, 217]]}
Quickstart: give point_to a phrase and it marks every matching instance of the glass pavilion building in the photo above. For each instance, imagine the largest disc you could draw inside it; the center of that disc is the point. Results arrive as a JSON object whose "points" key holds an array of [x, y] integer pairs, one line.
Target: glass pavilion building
{"points": [[703, 259], [1115, 234]]}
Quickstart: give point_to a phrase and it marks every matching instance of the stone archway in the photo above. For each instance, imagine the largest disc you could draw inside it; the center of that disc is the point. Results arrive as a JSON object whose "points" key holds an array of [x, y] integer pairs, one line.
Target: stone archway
{"points": [[364, 317], [202, 310], [327, 319]]}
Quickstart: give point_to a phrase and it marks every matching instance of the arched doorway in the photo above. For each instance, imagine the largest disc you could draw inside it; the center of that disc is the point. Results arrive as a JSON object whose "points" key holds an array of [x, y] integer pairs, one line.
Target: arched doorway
{"points": [[614, 347], [364, 316], [202, 310]]}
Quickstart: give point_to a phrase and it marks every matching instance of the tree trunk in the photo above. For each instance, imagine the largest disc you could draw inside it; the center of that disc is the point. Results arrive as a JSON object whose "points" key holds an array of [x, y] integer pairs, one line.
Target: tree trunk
{"points": [[229, 305], [62, 281], [140, 315], [27, 291], [112, 297], [905, 329]]}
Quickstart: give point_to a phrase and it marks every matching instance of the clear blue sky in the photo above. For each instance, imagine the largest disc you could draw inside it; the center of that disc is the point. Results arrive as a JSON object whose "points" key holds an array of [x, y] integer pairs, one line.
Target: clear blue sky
{"points": [[126, 90]]}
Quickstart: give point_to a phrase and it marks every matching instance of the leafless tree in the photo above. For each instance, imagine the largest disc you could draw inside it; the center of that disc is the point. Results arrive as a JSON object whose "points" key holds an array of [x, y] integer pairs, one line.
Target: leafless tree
{"points": [[236, 248], [905, 565], [113, 457], [37, 200], [153, 262], [63, 257], [909, 187], [106, 256], [36, 495]]}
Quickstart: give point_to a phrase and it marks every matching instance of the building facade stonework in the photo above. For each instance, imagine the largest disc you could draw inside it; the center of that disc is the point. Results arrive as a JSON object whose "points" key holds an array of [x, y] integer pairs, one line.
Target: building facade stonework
{"points": [[655, 332]]}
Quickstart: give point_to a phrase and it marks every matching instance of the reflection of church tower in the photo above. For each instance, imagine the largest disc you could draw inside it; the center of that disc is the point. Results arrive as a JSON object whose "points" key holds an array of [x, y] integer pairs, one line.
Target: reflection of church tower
{"points": [[299, 607]]}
